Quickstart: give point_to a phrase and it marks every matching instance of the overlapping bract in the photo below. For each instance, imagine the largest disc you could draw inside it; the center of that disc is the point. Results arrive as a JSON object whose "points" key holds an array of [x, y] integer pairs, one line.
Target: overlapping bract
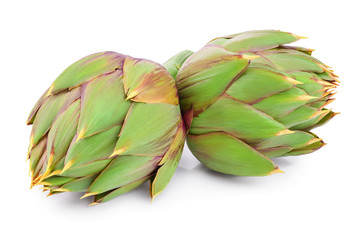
{"points": [[107, 124], [111, 122], [248, 97]]}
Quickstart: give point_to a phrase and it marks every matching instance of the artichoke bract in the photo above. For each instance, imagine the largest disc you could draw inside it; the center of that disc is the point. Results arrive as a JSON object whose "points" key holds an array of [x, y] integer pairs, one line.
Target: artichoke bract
{"points": [[106, 125], [248, 97]]}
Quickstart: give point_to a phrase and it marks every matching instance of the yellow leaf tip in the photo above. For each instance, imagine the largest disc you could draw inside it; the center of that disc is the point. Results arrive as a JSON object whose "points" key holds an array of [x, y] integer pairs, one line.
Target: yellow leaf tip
{"points": [[67, 166], [42, 183], [132, 94], [61, 190], [293, 81], [314, 140], [88, 194], [50, 193], [320, 113], [80, 135], [118, 151], [50, 90], [306, 98], [249, 56], [276, 170], [284, 132], [298, 37]]}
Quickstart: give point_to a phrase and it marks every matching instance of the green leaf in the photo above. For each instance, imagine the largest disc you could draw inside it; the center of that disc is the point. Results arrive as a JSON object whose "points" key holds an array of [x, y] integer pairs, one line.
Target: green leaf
{"points": [[87, 169], [36, 153], [35, 109], [58, 180], [122, 171], [306, 51], [237, 118], [256, 83], [106, 196], [323, 120], [40, 166], [62, 133], [103, 104], [49, 110], [259, 40], [169, 163], [299, 115], [227, 154], [97, 146], [308, 149], [88, 68], [174, 64], [275, 152], [311, 83], [80, 184], [294, 62], [148, 82], [206, 75], [283, 103], [297, 139], [148, 129], [318, 120]]}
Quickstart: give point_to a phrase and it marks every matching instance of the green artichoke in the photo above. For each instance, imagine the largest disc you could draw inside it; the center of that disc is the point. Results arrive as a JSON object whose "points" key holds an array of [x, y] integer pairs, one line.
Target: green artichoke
{"points": [[107, 124], [247, 97]]}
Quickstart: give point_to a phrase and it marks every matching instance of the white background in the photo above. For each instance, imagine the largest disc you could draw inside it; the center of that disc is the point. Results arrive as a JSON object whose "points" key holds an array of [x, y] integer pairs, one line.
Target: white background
{"points": [[316, 198]]}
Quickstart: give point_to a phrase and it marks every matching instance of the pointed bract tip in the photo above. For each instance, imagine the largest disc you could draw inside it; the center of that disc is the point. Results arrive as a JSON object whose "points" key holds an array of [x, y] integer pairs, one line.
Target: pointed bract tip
{"points": [[293, 81], [50, 90], [320, 113], [67, 166], [50, 193], [50, 160], [284, 132], [314, 140], [28, 155], [153, 196], [325, 68], [93, 203], [306, 98], [42, 183], [276, 170], [131, 94], [45, 174], [118, 152], [298, 37], [328, 102], [54, 173], [327, 84], [36, 180], [31, 145], [328, 66], [249, 56], [327, 88], [88, 194], [61, 190], [80, 135]]}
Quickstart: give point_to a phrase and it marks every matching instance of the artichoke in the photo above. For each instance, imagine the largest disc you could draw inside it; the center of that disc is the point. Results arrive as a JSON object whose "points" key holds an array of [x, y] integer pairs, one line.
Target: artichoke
{"points": [[107, 124], [247, 97]]}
